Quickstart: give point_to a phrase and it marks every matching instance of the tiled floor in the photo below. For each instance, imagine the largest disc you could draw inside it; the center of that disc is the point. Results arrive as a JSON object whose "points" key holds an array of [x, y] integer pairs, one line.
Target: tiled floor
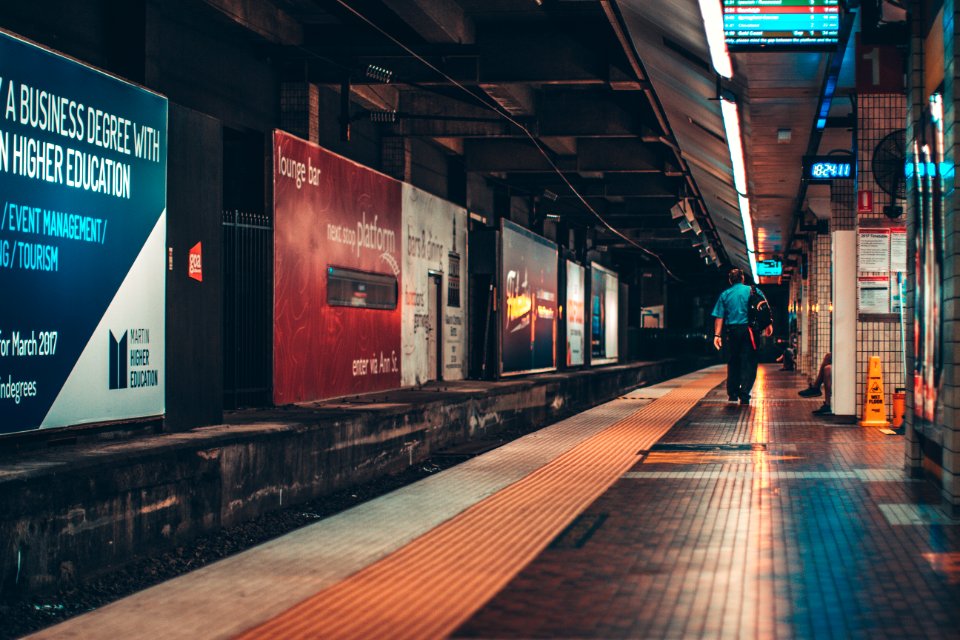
{"points": [[637, 519], [802, 528]]}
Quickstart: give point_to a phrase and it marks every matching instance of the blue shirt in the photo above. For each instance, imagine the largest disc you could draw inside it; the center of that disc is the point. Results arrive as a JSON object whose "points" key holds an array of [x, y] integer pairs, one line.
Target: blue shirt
{"points": [[732, 304]]}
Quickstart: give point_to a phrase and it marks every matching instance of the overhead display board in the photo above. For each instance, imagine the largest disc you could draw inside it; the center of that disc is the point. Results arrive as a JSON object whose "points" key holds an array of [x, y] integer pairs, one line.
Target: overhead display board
{"points": [[529, 301], [768, 268], [604, 314], [781, 24], [83, 180]]}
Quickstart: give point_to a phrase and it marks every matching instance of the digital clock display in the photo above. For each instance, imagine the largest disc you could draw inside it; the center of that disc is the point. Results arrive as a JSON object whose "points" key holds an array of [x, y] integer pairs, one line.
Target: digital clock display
{"points": [[827, 169], [830, 170]]}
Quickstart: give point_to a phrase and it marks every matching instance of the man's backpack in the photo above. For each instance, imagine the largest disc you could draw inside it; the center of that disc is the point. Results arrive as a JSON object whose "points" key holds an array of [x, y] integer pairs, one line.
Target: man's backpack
{"points": [[759, 314]]}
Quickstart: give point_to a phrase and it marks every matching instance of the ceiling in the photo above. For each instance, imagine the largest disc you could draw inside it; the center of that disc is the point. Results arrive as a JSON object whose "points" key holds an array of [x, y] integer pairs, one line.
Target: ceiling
{"points": [[775, 92], [619, 98]]}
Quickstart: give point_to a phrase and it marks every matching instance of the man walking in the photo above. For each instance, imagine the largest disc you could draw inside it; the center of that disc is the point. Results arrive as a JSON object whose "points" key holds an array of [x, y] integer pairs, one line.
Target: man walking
{"points": [[731, 327]]}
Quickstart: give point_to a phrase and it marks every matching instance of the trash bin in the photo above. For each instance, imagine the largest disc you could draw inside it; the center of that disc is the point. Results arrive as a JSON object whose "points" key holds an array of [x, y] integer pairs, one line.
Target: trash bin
{"points": [[899, 400]]}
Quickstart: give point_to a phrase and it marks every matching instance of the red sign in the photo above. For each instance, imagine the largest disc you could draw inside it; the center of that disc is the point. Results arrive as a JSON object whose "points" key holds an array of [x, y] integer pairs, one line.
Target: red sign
{"points": [[864, 201], [195, 267], [879, 69], [332, 216]]}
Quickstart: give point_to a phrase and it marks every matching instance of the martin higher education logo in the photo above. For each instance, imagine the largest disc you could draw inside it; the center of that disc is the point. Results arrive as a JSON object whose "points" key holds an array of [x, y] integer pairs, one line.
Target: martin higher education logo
{"points": [[131, 368], [118, 361]]}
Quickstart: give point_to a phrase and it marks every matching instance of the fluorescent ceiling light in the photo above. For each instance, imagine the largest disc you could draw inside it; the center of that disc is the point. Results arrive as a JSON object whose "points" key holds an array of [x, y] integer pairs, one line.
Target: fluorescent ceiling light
{"points": [[748, 234], [731, 125], [713, 25]]}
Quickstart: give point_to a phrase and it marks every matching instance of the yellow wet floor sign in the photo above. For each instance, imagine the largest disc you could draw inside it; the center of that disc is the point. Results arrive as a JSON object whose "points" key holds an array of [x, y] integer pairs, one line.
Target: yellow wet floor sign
{"points": [[874, 405]]}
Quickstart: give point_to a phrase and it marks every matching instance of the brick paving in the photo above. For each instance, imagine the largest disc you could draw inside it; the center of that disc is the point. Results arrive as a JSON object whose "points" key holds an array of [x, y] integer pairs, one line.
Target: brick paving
{"points": [[636, 519], [752, 522]]}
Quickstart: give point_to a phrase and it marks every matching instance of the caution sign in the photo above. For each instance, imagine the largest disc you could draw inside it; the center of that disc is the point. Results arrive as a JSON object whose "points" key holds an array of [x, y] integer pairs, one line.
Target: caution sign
{"points": [[874, 406]]}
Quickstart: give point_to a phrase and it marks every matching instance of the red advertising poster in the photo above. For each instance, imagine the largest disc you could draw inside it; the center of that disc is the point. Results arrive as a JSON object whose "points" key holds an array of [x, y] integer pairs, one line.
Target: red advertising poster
{"points": [[336, 275]]}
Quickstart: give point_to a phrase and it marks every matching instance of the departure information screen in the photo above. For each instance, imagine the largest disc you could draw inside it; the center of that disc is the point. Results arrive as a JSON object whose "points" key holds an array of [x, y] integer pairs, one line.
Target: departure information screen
{"points": [[781, 24]]}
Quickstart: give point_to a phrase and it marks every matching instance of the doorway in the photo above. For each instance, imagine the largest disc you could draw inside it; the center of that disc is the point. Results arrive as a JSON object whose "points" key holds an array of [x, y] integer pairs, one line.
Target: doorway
{"points": [[435, 327]]}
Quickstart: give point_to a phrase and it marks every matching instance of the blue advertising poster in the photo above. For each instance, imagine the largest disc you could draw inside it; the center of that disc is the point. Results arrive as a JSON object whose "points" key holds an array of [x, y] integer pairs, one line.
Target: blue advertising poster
{"points": [[83, 169]]}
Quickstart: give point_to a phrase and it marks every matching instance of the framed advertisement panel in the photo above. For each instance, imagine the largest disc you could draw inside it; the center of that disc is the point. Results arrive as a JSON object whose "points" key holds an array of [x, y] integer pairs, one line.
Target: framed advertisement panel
{"points": [[528, 324], [434, 246], [337, 275], [83, 178], [604, 314], [574, 316], [928, 347]]}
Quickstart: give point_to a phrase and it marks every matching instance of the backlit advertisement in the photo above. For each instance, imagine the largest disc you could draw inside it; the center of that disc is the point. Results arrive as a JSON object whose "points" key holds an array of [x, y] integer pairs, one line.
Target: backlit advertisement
{"points": [[928, 345], [528, 274], [574, 315], [83, 171], [337, 274], [604, 314]]}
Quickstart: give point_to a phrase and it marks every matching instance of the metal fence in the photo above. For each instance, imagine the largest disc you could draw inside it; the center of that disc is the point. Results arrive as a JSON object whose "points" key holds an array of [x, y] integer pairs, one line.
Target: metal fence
{"points": [[247, 309]]}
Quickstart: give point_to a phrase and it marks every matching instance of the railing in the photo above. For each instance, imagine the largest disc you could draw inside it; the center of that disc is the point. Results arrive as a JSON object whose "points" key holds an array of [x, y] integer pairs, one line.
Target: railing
{"points": [[247, 309]]}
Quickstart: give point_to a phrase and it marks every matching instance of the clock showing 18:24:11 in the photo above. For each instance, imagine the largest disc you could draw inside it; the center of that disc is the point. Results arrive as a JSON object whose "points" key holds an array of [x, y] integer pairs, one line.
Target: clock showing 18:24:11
{"points": [[818, 169]]}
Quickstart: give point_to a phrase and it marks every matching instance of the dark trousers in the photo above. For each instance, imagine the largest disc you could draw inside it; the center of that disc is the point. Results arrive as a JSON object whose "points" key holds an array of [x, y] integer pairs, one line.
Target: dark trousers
{"points": [[741, 360]]}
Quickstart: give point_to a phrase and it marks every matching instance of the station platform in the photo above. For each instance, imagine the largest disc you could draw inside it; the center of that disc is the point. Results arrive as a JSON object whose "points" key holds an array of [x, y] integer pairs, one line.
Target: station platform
{"points": [[667, 512]]}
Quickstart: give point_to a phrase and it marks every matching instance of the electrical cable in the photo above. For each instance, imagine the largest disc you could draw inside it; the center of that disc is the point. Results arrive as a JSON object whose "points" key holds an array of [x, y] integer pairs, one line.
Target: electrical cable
{"points": [[539, 146]]}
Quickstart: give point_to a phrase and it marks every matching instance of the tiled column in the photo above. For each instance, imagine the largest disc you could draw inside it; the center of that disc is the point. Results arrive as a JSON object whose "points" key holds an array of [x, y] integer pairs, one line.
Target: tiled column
{"points": [[823, 328], [913, 457], [807, 305], [950, 382], [843, 234], [933, 446], [798, 300], [878, 114]]}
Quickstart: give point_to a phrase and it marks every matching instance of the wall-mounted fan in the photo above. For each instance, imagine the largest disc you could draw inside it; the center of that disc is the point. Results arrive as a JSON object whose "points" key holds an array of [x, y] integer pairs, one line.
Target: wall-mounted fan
{"points": [[889, 169]]}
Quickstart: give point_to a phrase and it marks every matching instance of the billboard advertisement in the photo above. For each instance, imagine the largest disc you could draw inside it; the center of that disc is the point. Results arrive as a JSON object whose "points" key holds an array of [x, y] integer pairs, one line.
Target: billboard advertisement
{"points": [[928, 244], [528, 272], [434, 332], [604, 314], [337, 275], [83, 171], [576, 304]]}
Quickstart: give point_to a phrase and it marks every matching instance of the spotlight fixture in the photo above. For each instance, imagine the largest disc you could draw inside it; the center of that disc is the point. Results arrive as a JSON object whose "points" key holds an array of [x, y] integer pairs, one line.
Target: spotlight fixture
{"points": [[383, 116], [378, 73], [677, 210]]}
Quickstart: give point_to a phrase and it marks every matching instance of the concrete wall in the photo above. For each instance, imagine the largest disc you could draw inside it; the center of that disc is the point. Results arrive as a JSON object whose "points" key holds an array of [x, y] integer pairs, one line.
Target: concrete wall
{"points": [[933, 446], [70, 515]]}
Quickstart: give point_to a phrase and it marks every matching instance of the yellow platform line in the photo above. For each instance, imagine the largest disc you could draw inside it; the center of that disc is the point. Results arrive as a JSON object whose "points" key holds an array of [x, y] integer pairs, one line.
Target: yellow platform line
{"points": [[433, 585]]}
